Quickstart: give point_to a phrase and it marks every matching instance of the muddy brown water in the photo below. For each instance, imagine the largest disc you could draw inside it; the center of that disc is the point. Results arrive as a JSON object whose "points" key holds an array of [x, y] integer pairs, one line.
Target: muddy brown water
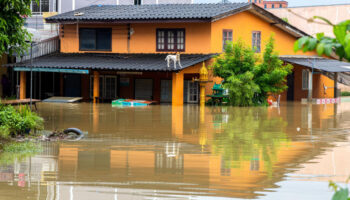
{"points": [[186, 152]]}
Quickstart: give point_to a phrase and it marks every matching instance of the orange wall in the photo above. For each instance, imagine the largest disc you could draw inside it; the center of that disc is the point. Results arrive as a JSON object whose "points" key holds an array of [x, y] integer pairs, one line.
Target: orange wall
{"points": [[143, 40]]}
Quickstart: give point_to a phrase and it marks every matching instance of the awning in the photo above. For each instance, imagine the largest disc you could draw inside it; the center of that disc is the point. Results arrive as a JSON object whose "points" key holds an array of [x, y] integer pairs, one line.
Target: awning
{"points": [[126, 62], [71, 71], [319, 63]]}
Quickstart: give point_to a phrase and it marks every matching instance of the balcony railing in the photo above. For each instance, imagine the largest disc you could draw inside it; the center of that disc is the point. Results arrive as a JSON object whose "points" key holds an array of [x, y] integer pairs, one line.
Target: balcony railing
{"points": [[41, 48]]}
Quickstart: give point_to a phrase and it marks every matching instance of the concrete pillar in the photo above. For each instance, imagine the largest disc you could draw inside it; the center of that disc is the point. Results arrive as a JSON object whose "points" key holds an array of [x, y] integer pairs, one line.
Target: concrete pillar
{"points": [[178, 89], [177, 118], [22, 85], [96, 92], [335, 84]]}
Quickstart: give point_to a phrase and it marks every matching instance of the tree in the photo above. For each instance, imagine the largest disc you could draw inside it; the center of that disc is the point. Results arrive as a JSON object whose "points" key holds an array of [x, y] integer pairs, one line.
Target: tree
{"points": [[271, 75], [248, 82], [325, 45], [13, 35]]}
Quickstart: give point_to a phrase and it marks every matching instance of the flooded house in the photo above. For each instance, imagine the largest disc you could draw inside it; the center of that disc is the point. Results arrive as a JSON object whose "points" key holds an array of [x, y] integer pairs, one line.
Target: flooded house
{"points": [[119, 51]]}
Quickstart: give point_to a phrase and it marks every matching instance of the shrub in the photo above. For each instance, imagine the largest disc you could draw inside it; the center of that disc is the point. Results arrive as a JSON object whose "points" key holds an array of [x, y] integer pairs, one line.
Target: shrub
{"points": [[15, 121], [345, 93]]}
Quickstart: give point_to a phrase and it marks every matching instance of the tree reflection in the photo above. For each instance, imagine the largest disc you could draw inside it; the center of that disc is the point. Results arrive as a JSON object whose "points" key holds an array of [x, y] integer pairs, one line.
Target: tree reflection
{"points": [[249, 134]]}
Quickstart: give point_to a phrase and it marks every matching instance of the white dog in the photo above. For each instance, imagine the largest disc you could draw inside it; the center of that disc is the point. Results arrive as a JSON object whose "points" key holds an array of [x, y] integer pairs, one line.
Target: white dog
{"points": [[174, 58]]}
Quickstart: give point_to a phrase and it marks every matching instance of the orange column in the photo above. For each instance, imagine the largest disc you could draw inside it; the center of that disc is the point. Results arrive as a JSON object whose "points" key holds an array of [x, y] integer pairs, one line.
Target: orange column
{"points": [[178, 89], [22, 85], [96, 94], [177, 118]]}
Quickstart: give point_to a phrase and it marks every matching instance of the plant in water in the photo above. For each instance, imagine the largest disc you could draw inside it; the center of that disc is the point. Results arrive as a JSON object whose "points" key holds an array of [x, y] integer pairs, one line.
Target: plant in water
{"points": [[340, 193], [14, 150], [16, 121], [249, 82]]}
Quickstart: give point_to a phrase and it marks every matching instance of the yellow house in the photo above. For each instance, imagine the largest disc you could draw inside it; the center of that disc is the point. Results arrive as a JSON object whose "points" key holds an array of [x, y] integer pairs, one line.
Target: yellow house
{"points": [[117, 51]]}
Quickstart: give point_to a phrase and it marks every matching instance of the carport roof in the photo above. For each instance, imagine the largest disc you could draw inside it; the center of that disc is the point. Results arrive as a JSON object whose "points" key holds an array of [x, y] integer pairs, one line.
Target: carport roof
{"points": [[319, 63], [127, 62]]}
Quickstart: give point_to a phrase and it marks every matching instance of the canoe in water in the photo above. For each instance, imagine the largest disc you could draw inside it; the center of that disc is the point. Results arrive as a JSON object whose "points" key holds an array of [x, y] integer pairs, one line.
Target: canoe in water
{"points": [[130, 102]]}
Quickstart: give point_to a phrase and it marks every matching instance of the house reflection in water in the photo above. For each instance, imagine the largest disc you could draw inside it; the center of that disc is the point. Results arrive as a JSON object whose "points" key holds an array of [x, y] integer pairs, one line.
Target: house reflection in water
{"points": [[168, 152]]}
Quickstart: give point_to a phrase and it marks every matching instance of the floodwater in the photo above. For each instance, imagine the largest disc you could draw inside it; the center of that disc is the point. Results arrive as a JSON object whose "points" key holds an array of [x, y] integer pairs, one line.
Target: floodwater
{"points": [[165, 152]]}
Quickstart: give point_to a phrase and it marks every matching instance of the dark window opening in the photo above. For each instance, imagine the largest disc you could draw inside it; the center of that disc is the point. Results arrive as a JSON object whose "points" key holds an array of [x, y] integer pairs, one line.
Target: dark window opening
{"points": [[170, 40], [273, 5], [99, 39], [256, 41], [280, 5], [226, 36], [137, 2]]}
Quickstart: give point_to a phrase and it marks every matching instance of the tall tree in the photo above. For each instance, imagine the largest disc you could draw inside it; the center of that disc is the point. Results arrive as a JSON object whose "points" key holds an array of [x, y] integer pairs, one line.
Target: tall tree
{"points": [[13, 35], [324, 45]]}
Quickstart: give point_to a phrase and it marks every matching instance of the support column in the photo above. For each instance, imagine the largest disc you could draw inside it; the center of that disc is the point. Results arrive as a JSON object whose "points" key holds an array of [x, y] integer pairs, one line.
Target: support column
{"points": [[178, 89], [96, 93], [22, 85], [336, 85]]}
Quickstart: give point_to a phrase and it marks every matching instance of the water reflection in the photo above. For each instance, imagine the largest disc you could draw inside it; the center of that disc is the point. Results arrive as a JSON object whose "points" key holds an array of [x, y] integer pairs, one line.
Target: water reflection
{"points": [[184, 152]]}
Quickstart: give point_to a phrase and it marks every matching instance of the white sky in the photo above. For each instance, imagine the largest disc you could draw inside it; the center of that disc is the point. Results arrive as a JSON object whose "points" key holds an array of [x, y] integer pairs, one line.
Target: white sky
{"points": [[291, 3]]}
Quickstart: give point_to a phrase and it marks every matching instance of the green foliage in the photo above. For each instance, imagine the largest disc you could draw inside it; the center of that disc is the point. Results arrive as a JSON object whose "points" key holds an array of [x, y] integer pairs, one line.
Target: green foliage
{"points": [[339, 192], [345, 94], [324, 45], [247, 81], [18, 120], [13, 35], [285, 19]]}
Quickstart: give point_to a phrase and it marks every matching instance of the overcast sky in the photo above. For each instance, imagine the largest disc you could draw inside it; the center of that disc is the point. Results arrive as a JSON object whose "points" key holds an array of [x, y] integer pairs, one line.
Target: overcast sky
{"points": [[292, 3]]}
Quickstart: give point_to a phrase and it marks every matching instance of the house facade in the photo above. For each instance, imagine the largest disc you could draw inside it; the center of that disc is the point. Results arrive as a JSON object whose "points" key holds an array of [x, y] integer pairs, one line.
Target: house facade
{"points": [[109, 52]]}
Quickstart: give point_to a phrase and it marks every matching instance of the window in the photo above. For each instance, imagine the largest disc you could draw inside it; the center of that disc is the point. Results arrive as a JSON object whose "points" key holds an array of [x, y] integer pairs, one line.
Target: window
{"points": [[305, 79], [273, 5], [226, 36], [137, 2], [98, 39], [170, 40], [280, 5], [38, 9], [256, 41], [265, 6]]}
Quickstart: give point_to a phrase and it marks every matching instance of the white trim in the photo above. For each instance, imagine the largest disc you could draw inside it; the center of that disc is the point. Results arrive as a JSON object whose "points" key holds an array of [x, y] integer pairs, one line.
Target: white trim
{"points": [[73, 4], [59, 6]]}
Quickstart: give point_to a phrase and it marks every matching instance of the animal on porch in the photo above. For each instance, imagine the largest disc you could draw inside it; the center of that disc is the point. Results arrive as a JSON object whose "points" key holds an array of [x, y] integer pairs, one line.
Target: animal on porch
{"points": [[175, 58]]}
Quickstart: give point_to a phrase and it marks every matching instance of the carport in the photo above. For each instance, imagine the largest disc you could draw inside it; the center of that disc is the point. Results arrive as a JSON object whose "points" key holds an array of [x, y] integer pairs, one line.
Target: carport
{"points": [[336, 70]]}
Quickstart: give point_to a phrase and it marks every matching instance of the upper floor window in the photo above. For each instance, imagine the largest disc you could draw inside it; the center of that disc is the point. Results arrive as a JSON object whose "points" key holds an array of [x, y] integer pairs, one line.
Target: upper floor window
{"points": [[38, 9], [265, 6], [256, 41], [273, 5], [137, 2], [170, 39], [226, 36], [95, 39], [280, 5]]}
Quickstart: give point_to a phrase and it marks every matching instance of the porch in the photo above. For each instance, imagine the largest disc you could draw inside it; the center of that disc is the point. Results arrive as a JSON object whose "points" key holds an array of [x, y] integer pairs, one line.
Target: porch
{"points": [[104, 77]]}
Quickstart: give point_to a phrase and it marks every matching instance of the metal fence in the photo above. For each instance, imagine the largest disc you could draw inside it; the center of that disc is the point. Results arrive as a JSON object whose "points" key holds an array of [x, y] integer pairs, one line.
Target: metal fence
{"points": [[41, 48]]}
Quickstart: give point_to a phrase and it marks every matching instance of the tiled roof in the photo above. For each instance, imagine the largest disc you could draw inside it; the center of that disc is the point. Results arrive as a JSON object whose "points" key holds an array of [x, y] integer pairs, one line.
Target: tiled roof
{"points": [[128, 62], [149, 12], [319, 63]]}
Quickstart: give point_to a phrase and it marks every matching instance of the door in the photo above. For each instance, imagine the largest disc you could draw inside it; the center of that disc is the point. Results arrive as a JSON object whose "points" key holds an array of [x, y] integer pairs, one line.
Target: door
{"points": [[192, 92], [110, 89], [290, 84], [165, 91], [72, 86], [144, 89]]}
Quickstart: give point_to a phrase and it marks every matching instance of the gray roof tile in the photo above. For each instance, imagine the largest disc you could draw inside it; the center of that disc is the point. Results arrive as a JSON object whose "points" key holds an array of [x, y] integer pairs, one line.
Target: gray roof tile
{"points": [[130, 62], [149, 12]]}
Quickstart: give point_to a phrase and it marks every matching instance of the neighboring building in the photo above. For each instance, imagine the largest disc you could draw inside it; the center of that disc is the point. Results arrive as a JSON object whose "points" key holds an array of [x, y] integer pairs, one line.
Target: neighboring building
{"points": [[48, 7], [299, 17], [120, 50], [270, 4]]}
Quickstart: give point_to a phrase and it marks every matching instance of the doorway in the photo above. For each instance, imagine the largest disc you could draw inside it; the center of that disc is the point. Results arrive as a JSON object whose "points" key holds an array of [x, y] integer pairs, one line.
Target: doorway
{"points": [[290, 84], [144, 89]]}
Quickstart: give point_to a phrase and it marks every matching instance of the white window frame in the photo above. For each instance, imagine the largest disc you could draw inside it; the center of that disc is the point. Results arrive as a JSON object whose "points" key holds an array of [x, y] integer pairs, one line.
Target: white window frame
{"points": [[305, 79]]}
